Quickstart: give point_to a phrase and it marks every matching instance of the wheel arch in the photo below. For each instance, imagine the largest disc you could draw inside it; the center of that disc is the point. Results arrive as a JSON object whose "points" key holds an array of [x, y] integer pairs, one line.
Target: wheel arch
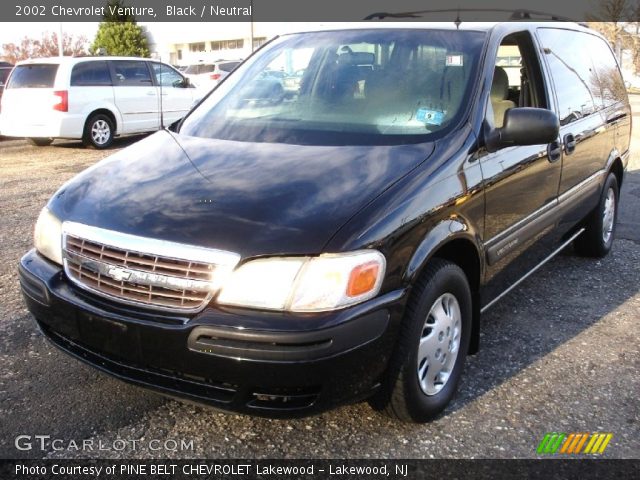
{"points": [[618, 170], [456, 241], [615, 166], [109, 113]]}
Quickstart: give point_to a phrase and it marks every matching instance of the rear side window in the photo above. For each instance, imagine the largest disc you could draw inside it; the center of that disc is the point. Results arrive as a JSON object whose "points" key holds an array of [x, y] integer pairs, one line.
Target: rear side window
{"points": [[228, 67], [608, 86], [131, 73], [585, 74], [33, 76], [91, 74]]}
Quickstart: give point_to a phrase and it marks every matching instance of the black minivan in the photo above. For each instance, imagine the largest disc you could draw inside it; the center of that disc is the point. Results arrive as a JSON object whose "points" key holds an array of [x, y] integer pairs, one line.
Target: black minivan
{"points": [[281, 255]]}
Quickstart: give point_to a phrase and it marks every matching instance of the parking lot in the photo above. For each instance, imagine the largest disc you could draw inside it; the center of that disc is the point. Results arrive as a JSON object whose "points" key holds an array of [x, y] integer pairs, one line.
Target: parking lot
{"points": [[561, 353]]}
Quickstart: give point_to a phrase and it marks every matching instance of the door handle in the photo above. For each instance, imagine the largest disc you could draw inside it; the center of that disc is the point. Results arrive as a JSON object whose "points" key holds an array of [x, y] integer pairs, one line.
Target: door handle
{"points": [[554, 151], [151, 94], [569, 143]]}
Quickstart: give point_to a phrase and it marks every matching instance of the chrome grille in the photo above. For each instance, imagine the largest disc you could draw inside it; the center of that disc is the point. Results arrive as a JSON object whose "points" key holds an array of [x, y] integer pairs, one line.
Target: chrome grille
{"points": [[143, 271]]}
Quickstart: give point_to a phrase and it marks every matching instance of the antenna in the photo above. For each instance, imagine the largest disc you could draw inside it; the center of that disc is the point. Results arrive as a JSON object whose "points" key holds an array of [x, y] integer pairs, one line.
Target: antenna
{"points": [[161, 109]]}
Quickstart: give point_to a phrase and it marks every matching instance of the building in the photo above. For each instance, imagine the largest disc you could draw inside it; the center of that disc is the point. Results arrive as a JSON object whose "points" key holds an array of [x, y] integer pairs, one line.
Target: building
{"points": [[195, 42]]}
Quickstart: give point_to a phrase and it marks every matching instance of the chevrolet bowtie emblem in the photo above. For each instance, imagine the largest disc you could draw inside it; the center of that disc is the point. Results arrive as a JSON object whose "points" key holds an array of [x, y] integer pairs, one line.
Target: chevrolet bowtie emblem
{"points": [[119, 274]]}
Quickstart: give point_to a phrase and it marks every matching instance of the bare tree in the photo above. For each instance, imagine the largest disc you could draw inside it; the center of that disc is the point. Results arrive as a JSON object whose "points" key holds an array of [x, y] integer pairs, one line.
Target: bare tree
{"points": [[614, 13], [46, 46]]}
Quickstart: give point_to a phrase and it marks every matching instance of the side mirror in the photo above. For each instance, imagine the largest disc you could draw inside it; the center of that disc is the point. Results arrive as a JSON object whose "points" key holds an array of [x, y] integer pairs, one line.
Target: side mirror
{"points": [[524, 126]]}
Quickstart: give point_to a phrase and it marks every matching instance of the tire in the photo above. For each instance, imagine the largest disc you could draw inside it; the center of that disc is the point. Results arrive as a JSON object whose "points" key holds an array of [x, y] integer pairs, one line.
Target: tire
{"points": [[597, 239], [420, 383], [98, 132], [40, 142]]}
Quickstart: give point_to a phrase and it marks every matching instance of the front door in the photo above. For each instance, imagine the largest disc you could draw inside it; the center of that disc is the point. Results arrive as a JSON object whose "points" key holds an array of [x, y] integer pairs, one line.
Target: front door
{"points": [[521, 183], [175, 95], [135, 95]]}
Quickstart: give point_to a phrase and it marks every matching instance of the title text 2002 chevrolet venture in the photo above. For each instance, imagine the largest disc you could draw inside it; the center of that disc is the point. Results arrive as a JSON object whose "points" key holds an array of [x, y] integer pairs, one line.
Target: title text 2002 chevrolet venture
{"points": [[284, 252]]}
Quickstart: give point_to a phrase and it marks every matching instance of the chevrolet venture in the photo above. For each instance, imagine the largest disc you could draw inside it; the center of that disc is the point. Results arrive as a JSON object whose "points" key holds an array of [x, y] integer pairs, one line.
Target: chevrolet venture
{"points": [[284, 254]]}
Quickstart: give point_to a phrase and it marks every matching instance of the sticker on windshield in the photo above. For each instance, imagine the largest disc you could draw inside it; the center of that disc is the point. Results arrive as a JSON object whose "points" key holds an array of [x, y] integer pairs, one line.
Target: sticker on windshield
{"points": [[430, 117], [454, 60]]}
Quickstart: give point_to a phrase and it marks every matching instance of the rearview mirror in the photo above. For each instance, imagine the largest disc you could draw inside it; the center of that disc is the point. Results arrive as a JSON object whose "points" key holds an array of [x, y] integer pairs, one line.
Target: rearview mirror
{"points": [[524, 126]]}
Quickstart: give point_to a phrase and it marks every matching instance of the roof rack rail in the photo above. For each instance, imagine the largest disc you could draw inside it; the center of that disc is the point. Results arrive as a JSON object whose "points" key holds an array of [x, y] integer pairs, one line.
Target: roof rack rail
{"points": [[519, 14]]}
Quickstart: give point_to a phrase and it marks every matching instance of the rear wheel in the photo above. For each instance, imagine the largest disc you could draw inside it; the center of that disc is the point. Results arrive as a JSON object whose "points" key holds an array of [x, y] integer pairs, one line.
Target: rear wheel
{"points": [[40, 141], [597, 239], [98, 132], [434, 339]]}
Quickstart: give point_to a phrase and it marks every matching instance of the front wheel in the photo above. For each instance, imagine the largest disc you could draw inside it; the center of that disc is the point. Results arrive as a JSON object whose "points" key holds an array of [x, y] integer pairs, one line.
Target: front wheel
{"points": [[597, 239], [98, 132], [434, 339]]}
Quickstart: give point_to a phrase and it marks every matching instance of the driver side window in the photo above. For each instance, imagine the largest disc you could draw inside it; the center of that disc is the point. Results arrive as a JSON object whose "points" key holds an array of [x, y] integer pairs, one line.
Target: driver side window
{"points": [[167, 77], [517, 78]]}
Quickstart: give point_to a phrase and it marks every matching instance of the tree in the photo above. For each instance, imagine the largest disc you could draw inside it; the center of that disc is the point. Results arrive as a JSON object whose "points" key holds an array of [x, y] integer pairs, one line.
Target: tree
{"points": [[115, 12], [119, 34], [124, 39], [610, 16], [46, 46]]}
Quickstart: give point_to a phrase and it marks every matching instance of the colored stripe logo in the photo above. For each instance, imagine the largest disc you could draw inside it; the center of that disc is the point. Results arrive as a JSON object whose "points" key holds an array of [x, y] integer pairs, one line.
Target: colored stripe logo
{"points": [[574, 443]]}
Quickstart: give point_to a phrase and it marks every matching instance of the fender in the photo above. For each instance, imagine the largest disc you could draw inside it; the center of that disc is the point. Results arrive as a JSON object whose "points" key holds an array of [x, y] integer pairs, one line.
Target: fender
{"points": [[453, 228], [445, 231], [614, 154]]}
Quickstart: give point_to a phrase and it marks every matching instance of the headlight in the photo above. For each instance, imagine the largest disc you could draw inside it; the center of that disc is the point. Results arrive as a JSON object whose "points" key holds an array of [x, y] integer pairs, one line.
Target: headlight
{"points": [[47, 236], [327, 282]]}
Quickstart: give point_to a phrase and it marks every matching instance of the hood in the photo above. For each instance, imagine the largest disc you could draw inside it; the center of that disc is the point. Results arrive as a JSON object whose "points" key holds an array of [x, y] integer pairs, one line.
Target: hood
{"points": [[249, 198]]}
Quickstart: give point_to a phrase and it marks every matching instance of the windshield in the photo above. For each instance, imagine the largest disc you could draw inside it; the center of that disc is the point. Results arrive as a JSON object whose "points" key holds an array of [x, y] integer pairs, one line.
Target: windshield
{"points": [[383, 86]]}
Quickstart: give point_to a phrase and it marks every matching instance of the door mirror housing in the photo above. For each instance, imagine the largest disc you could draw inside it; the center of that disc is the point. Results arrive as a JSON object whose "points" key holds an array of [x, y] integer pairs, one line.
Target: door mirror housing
{"points": [[524, 126]]}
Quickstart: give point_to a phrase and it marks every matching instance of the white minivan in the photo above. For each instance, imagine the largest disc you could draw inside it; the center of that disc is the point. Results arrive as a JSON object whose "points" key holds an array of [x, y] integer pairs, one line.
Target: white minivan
{"points": [[92, 98]]}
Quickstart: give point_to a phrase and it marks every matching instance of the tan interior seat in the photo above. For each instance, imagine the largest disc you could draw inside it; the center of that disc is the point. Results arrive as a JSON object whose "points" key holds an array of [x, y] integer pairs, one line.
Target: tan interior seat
{"points": [[499, 94]]}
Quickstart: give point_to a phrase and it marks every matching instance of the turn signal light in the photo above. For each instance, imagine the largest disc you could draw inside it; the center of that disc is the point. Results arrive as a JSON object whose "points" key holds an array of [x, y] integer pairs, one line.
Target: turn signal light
{"points": [[215, 76], [363, 279]]}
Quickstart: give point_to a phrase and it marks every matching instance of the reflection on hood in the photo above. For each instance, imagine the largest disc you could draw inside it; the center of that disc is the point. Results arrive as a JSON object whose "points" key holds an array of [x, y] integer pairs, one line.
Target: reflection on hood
{"points": [[250, 198]]}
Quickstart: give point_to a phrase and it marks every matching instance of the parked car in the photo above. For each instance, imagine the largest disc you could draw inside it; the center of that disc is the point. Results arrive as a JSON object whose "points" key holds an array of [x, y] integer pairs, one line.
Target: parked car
{"points": [[5, 70], [208, 75], [92, 98], [341, 244]]}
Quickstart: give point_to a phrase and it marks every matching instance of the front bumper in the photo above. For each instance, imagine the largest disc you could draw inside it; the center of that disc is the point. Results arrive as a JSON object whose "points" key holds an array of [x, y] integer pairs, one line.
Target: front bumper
{"points": [[269, 364]]}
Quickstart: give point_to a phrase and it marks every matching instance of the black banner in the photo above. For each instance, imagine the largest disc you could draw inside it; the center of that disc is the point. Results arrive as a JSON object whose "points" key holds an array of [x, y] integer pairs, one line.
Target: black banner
{"points": [[312, 11], [584, 469]]}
